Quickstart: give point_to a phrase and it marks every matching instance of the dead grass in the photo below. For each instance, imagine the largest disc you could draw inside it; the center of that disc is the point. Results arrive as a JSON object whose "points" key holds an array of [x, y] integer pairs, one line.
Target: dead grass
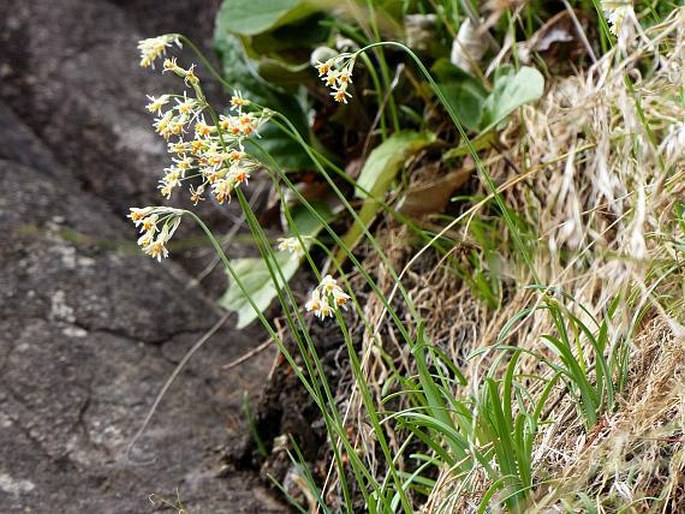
{"points": [[592, 173]]}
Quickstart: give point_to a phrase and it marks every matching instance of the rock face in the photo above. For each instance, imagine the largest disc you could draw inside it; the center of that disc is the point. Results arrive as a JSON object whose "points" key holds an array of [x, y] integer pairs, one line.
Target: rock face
{"points": [[90, 329], [69, 68]]}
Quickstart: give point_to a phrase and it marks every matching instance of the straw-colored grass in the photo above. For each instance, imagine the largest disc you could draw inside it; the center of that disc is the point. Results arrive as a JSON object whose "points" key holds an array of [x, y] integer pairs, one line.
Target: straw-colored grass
{"points": [[594, 173]]}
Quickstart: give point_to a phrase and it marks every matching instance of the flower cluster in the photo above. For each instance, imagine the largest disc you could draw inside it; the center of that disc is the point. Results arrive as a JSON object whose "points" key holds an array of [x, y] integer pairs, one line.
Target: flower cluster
{"points": [[152, 48], [214, 154], [290, 244], [210, 153], [326, 298], [206, 150], [616, 12], [336, 73], [153, 240]]}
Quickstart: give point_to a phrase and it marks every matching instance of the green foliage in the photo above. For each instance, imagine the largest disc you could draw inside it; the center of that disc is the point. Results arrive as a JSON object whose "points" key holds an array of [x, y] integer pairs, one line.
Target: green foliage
{"points": [[512, 89], [252, 17], [378, 173], [387, 159], [465, 93], [256, 43], [257, 279], [478, 110], [239, 73]]}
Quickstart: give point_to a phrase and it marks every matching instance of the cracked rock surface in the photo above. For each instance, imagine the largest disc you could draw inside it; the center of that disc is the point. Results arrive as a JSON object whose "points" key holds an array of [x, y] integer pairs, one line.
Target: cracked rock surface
{"points": [[90, 329]]}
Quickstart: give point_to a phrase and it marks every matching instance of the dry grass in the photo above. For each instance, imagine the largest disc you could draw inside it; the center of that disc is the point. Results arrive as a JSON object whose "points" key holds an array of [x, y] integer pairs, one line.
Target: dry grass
{"points": [[594, 173]]}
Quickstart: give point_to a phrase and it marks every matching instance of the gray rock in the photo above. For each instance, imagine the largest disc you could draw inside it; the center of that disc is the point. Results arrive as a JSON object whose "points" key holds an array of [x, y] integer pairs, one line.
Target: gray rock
{"points": [[21, 145], [90, 330], [69, 68]]}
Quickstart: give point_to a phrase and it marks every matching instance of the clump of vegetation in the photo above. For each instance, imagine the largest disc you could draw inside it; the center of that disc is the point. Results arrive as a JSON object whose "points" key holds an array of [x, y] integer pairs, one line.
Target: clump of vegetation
{"points": [[498, 195]]}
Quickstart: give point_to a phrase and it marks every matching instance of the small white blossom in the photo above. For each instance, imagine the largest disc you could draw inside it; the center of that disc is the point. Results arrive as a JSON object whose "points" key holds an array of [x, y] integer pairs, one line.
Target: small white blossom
{"points": [[238, 102], [340, 298], [328, 284], [319, 305], [152, 48], [138, 215], [616, 12], [290, 244], [326, 298], [156, 103]]}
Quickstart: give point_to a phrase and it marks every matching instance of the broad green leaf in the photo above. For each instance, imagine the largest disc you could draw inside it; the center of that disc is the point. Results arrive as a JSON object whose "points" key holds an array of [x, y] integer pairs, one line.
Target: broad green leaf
{"points": [[512, 90], [378, 173], [307, 33], [464, 92], [251, 17], [255, 275], [386, 160], [256, 278], [305, 222]]}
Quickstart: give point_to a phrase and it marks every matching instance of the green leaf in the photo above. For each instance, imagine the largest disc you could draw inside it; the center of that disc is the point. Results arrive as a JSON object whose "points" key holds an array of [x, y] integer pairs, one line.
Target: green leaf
{"points": [[257, 280], [511, 91], [378, 173], [386, 160], [255, 275], [304, 222], [251, 17], [464, 92]]}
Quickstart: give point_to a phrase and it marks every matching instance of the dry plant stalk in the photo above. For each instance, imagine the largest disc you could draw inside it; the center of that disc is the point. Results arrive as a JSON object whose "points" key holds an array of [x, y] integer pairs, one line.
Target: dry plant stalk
{"points": [[597, 183]]}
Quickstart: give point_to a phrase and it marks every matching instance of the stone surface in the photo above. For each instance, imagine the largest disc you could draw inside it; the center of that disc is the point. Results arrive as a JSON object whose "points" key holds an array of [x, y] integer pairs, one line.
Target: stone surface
{"points": [[90, 329], [89, 332], [69, 69], [69, 72]]}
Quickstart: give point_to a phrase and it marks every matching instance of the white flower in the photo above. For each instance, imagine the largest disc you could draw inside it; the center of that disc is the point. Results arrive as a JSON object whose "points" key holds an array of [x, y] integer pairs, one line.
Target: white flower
{"points": [[222, 190], [319, 305], [290, 244], [152, 48], [137, 215], [325, 67], [238, 175], [146, 239], [616, 12], [187, 105], [340, 93], [156, 103], [328, 284], [157, 249], [314, 302], [340, 298], [149, 224], [326, 298], [325, 311], [238, 102]]}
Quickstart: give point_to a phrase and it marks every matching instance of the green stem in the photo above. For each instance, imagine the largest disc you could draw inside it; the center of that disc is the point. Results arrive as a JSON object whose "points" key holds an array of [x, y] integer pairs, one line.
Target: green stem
{"points": [[472, 151], [355, 216], [205, 62], [333, 424], [379, 94], [366, 396], [392, 107]]}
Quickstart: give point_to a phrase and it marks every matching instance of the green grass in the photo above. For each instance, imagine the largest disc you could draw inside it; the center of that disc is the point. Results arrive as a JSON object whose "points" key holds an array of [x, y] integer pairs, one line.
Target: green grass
{"points": [[458, 433]]}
